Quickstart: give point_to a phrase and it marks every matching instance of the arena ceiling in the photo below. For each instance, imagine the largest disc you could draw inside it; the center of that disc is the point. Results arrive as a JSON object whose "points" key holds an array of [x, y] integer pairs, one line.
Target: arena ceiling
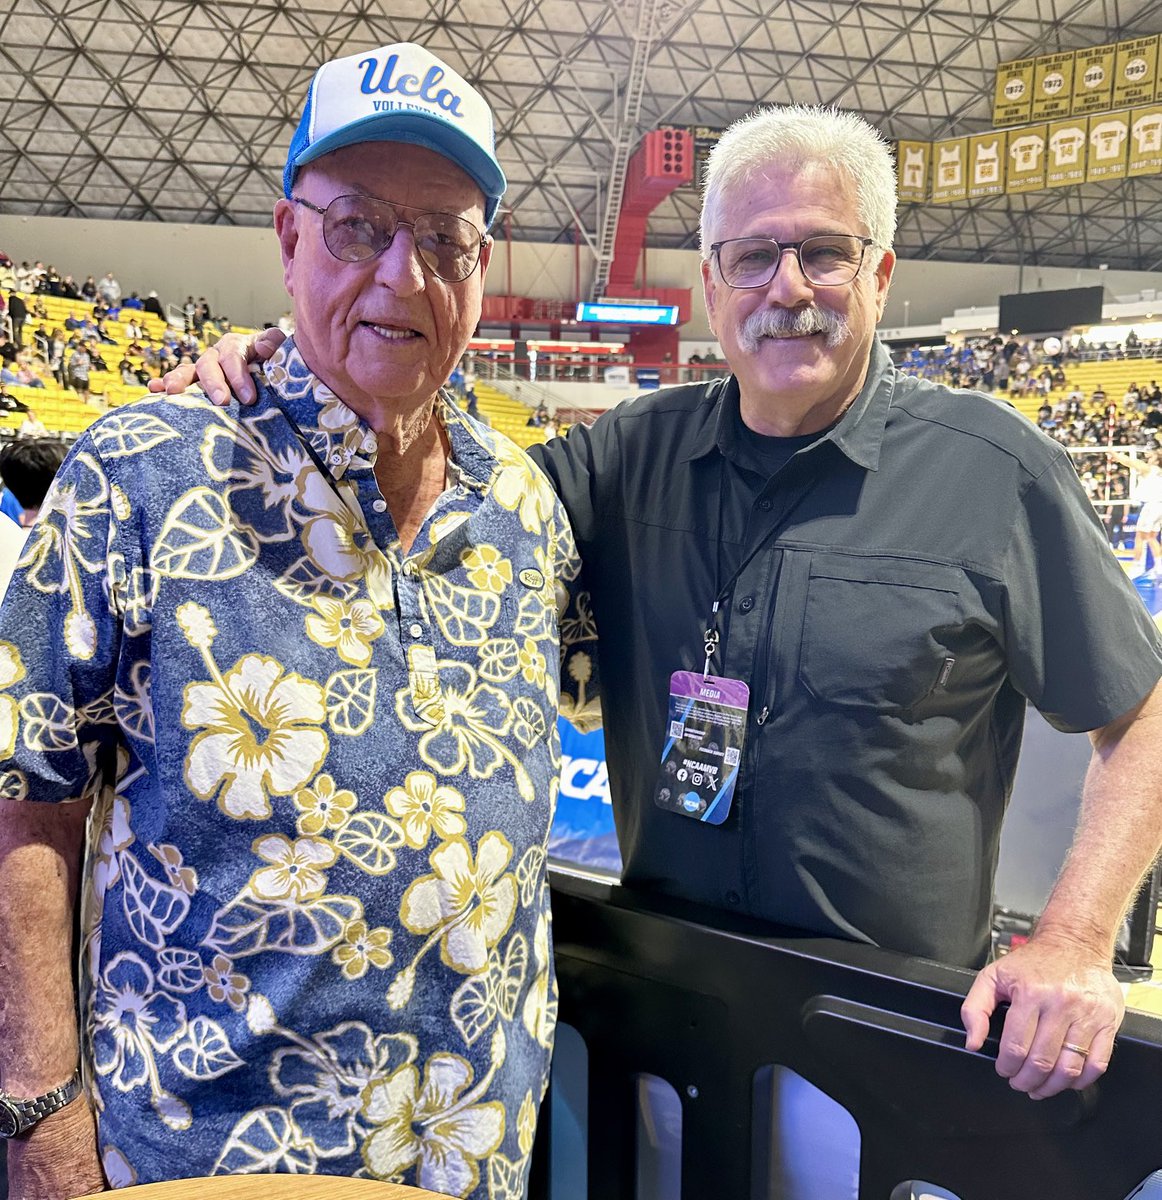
{"points": [[181, 110]]}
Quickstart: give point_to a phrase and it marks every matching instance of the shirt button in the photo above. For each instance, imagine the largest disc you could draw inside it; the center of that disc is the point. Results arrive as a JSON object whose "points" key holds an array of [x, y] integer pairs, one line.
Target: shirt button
{"points": [[765, 505], [746, 604], [379, 505], [416, 629], [409, 569], [336, 459], [733, 898]]}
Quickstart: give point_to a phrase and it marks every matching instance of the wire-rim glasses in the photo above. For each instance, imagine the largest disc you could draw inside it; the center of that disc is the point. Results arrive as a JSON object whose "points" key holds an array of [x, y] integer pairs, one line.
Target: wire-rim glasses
{"points": [[826, 259], [356, 228]]}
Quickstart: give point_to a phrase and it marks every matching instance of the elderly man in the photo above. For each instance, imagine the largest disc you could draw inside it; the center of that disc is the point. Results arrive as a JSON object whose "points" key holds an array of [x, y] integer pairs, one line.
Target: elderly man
{"points": [[280, 705], [877, 573]]}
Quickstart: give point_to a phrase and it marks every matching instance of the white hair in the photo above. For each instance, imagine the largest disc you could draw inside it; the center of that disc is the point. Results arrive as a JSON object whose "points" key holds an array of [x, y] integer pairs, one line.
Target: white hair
{"points": [[795, 136]]}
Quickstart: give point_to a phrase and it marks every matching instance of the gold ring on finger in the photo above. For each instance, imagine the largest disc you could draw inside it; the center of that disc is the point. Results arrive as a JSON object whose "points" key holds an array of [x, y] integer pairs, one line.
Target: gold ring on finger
{"points": [[1076, 1049]]}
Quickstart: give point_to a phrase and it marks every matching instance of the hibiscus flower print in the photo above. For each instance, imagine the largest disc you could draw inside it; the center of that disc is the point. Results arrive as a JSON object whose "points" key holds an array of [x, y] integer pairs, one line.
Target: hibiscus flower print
{"points": [[488, 569], [346, 626], [324, 806], [295, 868], [260, 736], [466, 905], [433, 1125], [423, 808]]}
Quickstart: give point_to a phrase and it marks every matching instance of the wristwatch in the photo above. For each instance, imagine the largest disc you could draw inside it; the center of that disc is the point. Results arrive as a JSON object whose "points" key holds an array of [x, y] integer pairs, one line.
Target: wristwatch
{"points": [[19, 1116]]}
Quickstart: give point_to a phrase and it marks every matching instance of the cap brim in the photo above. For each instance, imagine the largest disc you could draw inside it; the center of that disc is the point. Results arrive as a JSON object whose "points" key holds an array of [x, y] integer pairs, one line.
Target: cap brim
{"points": [[420, 129]]}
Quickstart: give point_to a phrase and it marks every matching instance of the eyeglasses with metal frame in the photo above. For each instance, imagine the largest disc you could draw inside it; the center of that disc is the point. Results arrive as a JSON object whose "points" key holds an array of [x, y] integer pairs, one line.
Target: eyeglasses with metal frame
{"points": [[356, 228], [825, 260]]}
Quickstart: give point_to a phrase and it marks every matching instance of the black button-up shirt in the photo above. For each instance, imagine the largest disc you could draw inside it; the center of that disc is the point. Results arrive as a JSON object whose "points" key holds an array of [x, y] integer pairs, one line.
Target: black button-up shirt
{"points": [[892, 595]]}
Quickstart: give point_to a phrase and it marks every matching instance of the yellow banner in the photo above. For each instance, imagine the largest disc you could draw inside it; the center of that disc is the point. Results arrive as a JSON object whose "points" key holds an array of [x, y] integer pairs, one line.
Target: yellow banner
{"points": [[1027, 153], [913, 160], [1109, 135], [986, 164], [1136, 72], [1052, 86], [1093, 78], [949, 170], [1145, 141], [1014, 92], [1066, 153]]}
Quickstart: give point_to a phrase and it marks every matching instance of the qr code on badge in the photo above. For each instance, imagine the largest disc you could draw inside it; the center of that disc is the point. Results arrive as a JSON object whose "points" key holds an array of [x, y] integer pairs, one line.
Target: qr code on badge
{"points": [[731, 756], [677, 729]]}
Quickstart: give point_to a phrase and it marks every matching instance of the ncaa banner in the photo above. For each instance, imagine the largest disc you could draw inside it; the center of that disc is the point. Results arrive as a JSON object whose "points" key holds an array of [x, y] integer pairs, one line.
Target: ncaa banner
{"points": [[1026, 160], [1109, 136], [1014, 92], [1145, 141], [582, 829], [949, 170], [913, 160], [986, 164], [1052, 86], [1136, 72], [1067, 140], [1093, 79]]}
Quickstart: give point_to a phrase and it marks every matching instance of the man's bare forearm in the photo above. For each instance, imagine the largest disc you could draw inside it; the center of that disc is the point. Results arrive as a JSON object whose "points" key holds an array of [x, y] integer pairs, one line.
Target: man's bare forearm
{"points": [[40, 857]]}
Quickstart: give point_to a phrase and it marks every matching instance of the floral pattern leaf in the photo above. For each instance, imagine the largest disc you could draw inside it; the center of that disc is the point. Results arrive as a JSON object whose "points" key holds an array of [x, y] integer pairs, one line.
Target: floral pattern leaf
{"points": [[534, 619], [205, 1052], [371, 840], [152, 909], [529, 873], [49, 723], [265, 1142], [474, 1006], [464, 615], [180, 970], [350, 700], [201, 540], [303, 581], [505, 1177], [510, 978], [499, 660], [128, 432], [249, 927]]}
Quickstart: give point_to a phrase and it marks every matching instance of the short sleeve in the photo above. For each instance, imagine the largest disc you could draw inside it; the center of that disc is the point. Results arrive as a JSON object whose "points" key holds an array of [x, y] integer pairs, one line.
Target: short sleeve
{"points": [[1080, 643], [59, 640]]}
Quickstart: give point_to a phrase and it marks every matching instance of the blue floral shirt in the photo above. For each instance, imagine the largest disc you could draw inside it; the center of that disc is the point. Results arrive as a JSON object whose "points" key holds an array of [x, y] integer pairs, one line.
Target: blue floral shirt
{"points": [[315, 919]]}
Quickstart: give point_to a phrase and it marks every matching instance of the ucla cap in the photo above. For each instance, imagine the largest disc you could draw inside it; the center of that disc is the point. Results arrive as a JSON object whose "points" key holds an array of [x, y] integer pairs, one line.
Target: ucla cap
{"points": [[400, 93]]}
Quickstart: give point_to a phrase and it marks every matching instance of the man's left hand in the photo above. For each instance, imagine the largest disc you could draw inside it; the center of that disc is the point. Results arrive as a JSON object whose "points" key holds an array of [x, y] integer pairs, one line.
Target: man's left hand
{"points": [[1065, 1006]]}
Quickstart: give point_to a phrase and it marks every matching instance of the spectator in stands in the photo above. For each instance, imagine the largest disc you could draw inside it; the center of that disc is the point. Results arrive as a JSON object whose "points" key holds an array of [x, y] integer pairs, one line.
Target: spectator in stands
{"points": [[1097, 396], [223, 819], [73, 322], [41, 342], [56, 356], [133, 301], [28, 467], [1154, 392], [89, 289], [8, 350], [96, 361], [109, 290], [18, 314], [127, 370], [152, 304], [78, 368], [8, 402], [39, 310]]}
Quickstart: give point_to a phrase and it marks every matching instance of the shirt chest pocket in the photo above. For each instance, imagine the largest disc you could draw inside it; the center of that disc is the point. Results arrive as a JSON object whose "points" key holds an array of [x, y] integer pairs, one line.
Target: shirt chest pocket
{"points": [[875, 630]]}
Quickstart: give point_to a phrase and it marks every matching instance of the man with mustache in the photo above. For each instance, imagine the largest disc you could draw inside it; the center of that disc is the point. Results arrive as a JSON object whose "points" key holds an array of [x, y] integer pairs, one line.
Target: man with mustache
{"points": [[871, 575]]}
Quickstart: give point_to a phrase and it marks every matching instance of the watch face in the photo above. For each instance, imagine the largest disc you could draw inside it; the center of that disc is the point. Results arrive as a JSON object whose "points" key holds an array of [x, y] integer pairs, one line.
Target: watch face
{"points": [[8, 1121]]}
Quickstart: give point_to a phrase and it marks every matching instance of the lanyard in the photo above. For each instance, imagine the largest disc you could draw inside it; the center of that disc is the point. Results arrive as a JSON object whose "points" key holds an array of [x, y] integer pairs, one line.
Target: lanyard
{"points": [[712, 638]]}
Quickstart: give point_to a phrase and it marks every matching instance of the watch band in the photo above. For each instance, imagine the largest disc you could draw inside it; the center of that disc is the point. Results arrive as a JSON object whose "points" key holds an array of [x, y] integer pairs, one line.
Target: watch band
{"points": [[27, 1113]]}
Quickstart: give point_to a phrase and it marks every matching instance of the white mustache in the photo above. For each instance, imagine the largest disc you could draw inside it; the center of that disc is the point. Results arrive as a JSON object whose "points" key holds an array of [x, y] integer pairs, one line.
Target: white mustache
{"points": [[798, 322]]}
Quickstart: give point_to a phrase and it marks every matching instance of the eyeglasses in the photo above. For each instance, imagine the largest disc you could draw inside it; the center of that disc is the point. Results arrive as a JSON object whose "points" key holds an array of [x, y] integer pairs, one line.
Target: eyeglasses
{"points": [[356, 228], [826, 260]]}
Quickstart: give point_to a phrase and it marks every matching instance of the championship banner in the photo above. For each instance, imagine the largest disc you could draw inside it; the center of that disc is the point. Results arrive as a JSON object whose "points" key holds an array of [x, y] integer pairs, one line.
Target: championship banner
{"points": [[949, 170], [1145, 141], [1093, 78], [1066, 164], [1052, 86], [986, 164], [1136, 72], [1014, 92], [913, 160], [1026, 160], [1108, 138]]}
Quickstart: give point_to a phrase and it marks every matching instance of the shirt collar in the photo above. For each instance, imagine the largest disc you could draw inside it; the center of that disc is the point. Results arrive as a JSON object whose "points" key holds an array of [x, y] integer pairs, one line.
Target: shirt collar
{"points": [[858, 434], [344, 440]]}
